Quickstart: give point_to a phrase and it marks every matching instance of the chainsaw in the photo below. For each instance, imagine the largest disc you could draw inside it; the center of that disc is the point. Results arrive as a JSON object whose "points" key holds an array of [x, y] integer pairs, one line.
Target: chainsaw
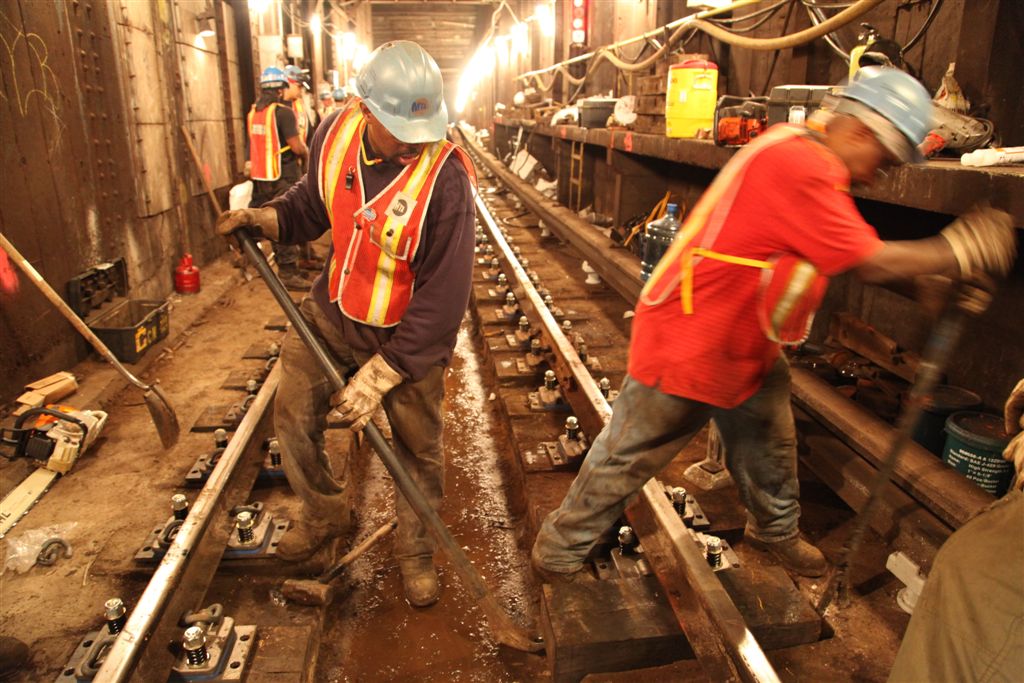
{"points": [[738, 120], [57, 437]]}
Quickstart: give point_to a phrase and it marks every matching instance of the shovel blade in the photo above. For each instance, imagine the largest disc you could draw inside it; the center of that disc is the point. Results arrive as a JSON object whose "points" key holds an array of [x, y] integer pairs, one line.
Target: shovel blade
{"points": [[164, 417]]}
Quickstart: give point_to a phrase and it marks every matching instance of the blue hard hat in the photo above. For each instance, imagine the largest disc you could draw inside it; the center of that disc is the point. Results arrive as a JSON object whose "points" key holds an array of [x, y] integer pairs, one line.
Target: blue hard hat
{"points": [[272, 77], [898, 97], [338, 94], [401, 86], [296, 75]]}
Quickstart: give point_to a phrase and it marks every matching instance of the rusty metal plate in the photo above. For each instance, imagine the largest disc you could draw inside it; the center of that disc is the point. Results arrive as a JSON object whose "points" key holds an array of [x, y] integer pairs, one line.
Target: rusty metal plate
{"points": [[157, 185], [200, 73]]}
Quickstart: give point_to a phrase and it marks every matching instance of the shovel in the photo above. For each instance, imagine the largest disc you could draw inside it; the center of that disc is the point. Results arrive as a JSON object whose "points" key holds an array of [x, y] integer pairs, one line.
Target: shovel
{"points": [[164, 418], [505, 631]]}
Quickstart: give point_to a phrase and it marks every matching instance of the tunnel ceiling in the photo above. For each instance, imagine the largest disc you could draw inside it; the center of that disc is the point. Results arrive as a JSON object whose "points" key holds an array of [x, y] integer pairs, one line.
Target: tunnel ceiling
{"points": [[448, 30]]}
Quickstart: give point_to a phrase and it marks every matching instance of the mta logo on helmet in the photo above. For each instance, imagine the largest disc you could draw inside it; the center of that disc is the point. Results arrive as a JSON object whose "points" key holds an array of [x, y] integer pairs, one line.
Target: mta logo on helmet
{"points": [[419, 107]]}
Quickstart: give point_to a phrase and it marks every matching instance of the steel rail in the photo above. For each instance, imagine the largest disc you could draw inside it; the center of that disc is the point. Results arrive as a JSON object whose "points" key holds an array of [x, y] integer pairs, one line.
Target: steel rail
{"points": [[725, 647], [141, 651]]}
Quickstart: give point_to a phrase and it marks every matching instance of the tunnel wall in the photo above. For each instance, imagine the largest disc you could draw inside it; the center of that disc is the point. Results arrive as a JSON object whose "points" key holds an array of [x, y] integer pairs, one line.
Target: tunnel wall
{"points": [[94, 159]]}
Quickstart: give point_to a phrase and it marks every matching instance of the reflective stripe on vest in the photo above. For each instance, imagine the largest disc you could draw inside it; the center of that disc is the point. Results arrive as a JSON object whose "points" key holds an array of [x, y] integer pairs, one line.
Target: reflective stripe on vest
{"points": [[375, 241], [264, 144], [301, 119], [782, 309]]}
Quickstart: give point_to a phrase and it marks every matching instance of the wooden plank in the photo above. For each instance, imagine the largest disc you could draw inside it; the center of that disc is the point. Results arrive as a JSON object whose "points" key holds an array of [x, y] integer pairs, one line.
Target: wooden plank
{"points": [[900, 520], [858, 336], [940, 488], [615, 625]]}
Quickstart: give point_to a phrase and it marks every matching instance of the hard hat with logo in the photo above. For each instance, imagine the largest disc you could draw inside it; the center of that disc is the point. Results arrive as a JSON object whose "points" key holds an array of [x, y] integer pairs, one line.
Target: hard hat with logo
{"points": [[401, 86], [272, 78], [296, 75], [894, 105]]}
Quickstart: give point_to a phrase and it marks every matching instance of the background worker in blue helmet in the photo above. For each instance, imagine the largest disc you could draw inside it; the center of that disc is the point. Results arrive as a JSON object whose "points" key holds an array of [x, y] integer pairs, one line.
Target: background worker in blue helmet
{"points": [[274, 150], [397, 199], [743, 275]]}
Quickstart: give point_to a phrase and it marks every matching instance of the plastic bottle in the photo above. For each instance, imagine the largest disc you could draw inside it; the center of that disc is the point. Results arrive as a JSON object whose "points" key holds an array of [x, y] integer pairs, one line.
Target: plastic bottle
{"points": [[660, 234], [992, 156]]}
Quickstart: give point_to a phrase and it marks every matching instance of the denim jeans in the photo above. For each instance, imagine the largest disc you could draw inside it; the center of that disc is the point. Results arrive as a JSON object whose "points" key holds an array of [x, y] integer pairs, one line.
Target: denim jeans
{"points": [[300, 417], [647, 430]]}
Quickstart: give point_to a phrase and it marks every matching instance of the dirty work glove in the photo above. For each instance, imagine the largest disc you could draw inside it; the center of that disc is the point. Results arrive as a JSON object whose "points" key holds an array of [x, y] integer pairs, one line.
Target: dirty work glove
{"points": [[1013, 414], [358, 401], [262, 222], [982, 240]]}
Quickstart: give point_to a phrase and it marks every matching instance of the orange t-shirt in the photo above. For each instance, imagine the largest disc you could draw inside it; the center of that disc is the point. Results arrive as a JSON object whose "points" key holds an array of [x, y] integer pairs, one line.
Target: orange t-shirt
{"points": [[789, 195]]}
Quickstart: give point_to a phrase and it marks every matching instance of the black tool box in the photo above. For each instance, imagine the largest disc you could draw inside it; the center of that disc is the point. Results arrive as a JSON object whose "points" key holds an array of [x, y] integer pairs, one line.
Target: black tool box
{"points": [[127, 326]]}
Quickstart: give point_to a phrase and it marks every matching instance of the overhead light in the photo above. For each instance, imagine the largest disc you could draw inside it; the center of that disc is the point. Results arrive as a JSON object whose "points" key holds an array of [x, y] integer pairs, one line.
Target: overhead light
{"points": [[314, 24], [206, 25], [259, 6], [545, 19], [579, 37]]}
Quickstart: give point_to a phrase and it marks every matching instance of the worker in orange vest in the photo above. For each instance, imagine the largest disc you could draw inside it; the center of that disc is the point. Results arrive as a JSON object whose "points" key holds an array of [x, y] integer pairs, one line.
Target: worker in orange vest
{"points": [[397, 198], [306, 120], [275, 150]]}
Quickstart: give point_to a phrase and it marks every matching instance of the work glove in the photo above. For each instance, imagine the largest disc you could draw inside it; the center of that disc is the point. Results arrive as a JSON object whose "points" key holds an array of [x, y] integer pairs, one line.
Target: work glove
{"points": [[262, 223], [358, 401], [982, 240], [1013, 414]]}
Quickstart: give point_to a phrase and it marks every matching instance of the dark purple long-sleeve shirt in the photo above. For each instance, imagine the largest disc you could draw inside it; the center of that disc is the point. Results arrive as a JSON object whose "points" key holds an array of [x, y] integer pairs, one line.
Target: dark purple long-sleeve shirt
{"points": [[442, 266]]}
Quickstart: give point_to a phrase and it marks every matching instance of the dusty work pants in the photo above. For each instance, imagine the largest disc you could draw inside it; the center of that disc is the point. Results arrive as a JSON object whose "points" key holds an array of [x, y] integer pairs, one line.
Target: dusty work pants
{"points": [[300, 417], [647, 430], [968, 624], [286, 255]]}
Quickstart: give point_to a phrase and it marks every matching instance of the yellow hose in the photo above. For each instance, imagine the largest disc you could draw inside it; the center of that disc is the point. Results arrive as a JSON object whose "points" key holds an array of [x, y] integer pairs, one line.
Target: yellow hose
{"points": [[781, 43]]}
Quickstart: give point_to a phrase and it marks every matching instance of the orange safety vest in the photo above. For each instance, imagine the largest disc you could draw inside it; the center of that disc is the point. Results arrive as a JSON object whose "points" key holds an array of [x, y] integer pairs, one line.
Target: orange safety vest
{"points": [[265, 148], [791, 288], [375, 240], [301, 119]]}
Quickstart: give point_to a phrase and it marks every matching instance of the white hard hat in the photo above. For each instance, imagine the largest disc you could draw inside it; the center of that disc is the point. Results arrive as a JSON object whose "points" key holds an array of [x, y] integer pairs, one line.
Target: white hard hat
{"points": [[401, 85]]}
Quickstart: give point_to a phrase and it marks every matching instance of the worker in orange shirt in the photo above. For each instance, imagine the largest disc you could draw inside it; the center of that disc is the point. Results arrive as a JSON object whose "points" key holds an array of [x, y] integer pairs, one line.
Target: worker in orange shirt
{"points": [[744, 275]]}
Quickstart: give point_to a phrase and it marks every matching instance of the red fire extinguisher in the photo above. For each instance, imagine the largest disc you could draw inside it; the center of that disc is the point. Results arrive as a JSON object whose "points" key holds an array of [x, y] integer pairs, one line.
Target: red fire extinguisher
{"points": [[186, 276]]}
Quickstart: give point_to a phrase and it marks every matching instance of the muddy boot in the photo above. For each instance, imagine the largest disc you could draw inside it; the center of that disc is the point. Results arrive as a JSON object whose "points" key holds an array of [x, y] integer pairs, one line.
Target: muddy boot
{"points": [[795, 554], [419, 578], [293, 279], [552, 577], [13, 657], [303, 539], [311, 263]]}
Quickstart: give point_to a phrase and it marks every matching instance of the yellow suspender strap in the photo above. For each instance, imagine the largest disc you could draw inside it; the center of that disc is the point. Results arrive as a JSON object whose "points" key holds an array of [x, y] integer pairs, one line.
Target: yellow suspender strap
{"points": [[686, 278], [284, 149]]}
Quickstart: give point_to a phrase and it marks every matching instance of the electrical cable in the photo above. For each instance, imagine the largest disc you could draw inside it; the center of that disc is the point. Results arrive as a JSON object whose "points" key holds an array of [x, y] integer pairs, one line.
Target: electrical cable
{"points": [[775, 56], [817, 16], [759, 23], [936, 4], [745, 17]]}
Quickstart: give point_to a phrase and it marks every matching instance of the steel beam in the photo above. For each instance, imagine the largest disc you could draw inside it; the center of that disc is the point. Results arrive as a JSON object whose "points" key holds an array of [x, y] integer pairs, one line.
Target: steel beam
{"points": [[141, 652]]}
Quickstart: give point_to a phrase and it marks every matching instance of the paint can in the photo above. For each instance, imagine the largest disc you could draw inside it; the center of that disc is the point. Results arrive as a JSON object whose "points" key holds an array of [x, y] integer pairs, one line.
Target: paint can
{"points": [[974, 447]]}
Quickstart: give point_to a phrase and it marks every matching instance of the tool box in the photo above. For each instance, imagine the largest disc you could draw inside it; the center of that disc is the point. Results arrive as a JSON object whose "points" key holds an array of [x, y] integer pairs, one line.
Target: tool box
{"points": [[127, 326], [795, 103], [594, 112]]}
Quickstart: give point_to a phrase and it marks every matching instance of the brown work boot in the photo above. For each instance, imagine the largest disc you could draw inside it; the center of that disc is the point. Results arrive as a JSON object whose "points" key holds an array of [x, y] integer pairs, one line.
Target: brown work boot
{"points": [[304, 538], [292, 278], [551, 576], [419, 578], [795, 554]]}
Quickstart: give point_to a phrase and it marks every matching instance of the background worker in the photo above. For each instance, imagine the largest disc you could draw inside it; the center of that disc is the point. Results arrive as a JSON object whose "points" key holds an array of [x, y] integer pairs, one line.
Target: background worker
{"points": [[398, 200], [968, 624], [707, 331], [326, 102], [275, 151], [306, 121]]}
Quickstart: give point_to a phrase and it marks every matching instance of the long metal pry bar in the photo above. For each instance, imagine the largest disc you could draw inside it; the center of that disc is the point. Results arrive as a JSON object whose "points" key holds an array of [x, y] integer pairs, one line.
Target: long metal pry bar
{"points": [[504, 629]]}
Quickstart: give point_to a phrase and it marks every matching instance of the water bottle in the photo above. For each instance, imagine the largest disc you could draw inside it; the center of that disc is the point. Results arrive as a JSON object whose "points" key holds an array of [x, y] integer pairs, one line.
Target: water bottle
{"points": [[660, 234]]}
